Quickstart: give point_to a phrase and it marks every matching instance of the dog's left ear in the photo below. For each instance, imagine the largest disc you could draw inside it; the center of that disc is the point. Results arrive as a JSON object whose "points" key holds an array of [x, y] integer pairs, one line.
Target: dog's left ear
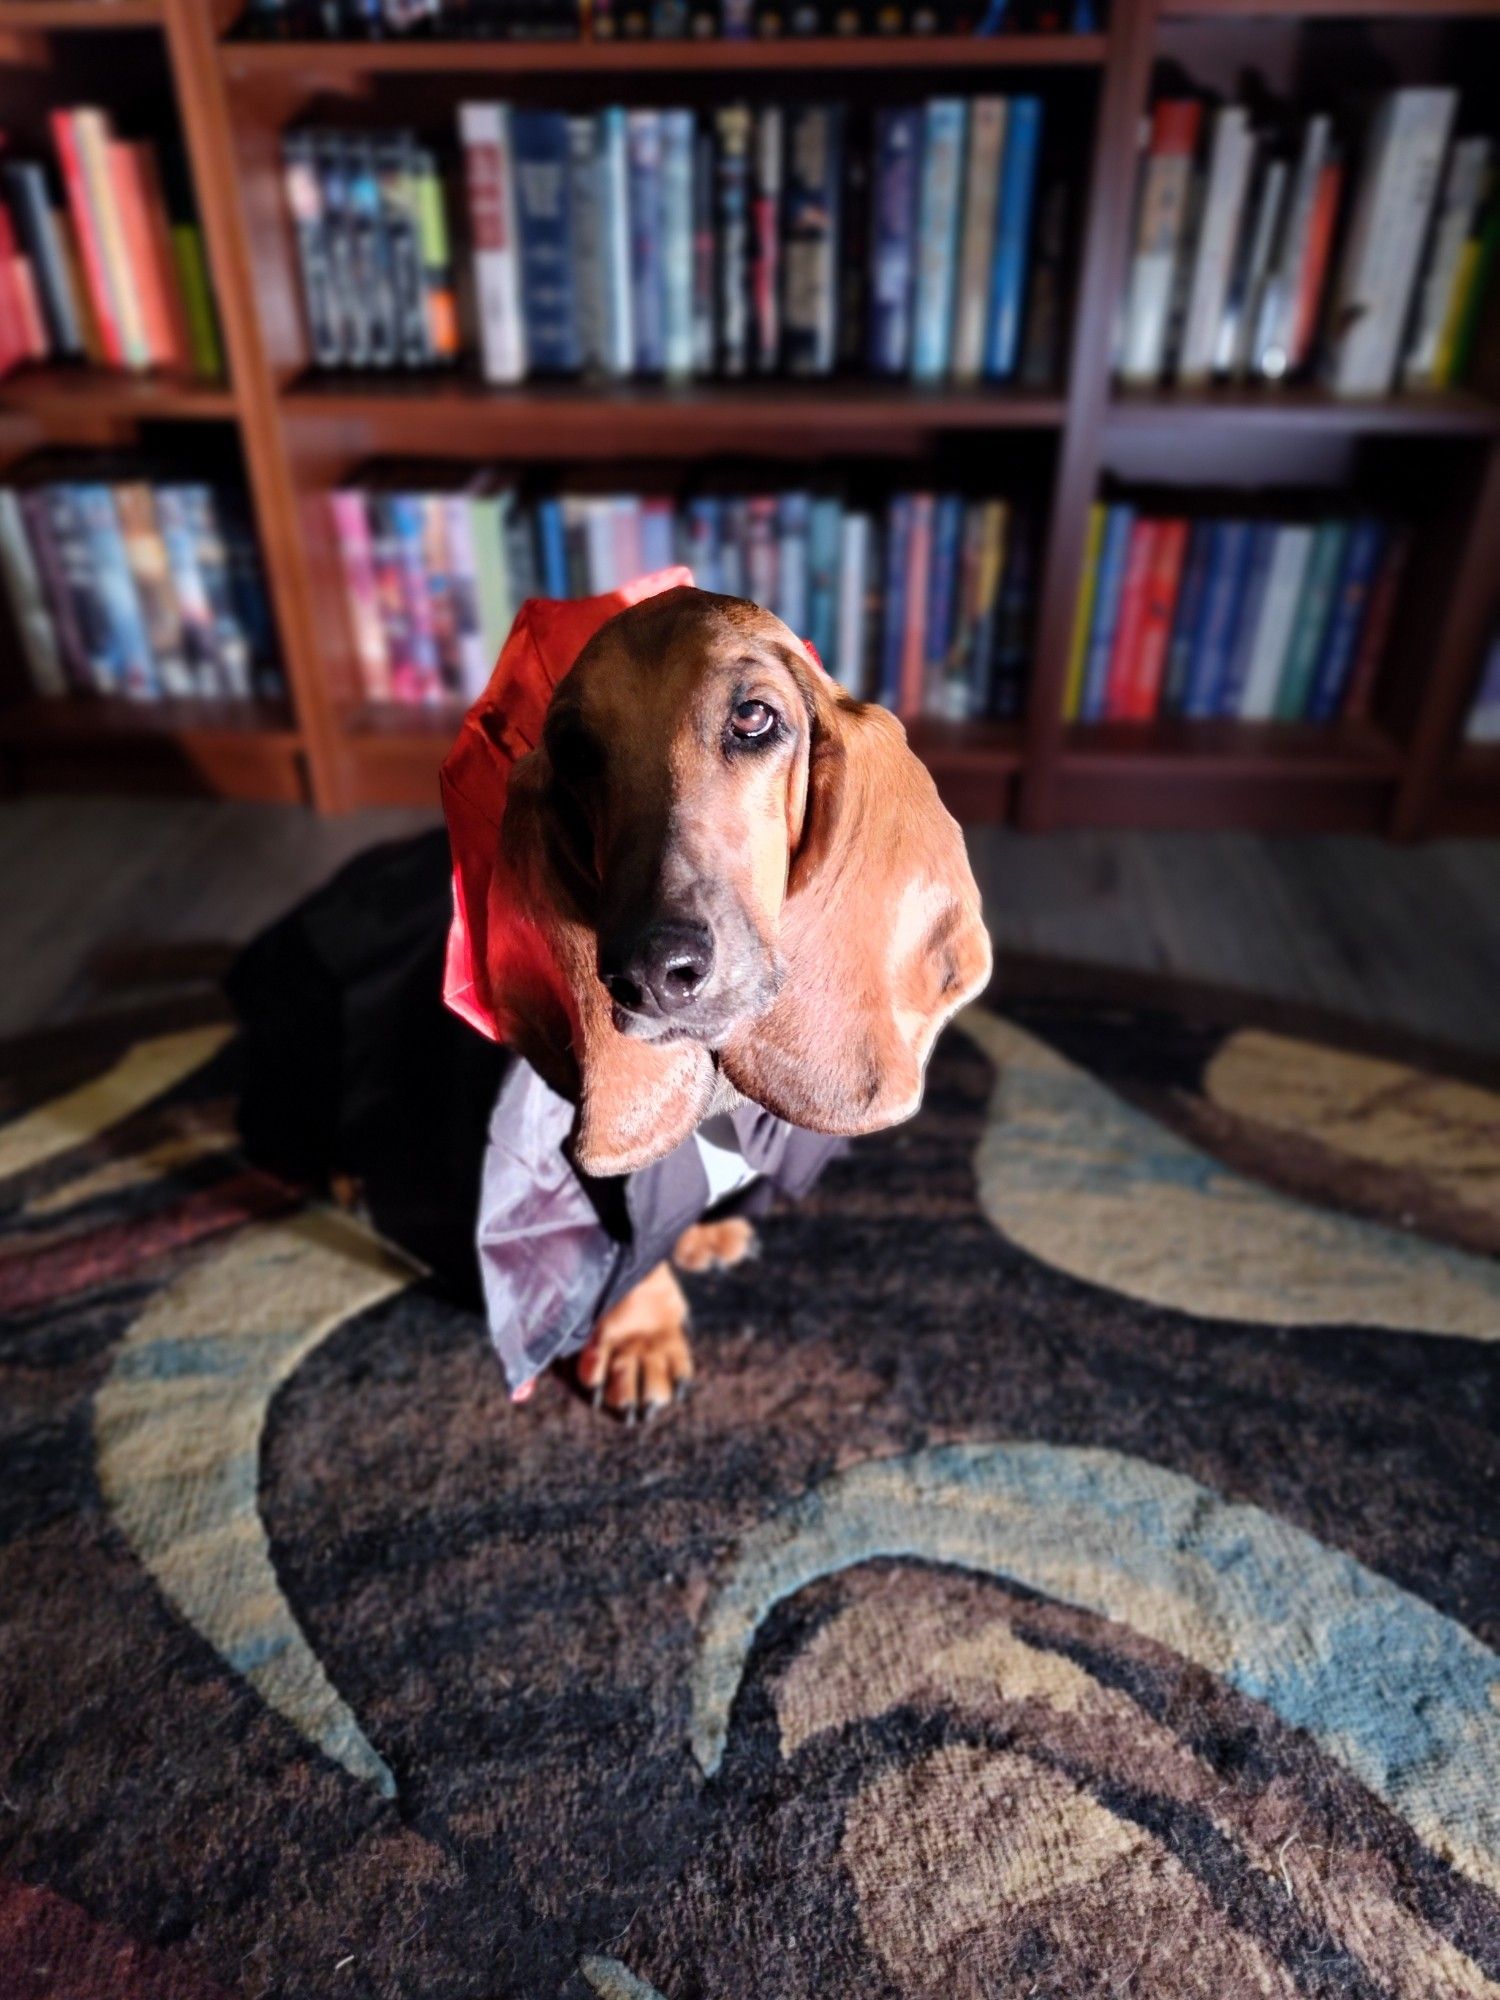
{"points": [[881, 933], [635, 1101]]}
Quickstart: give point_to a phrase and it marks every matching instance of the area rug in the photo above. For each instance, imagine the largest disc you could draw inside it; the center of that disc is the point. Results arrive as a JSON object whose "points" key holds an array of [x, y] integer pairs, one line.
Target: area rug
{"points": [[1076, 1571]]}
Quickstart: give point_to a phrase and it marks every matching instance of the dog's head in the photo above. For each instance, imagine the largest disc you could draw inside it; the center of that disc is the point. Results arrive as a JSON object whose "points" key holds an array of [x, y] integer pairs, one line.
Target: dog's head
{"points": [[715, 861]]}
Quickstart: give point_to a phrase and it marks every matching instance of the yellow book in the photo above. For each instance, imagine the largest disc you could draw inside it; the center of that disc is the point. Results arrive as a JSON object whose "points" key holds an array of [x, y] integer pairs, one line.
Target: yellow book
{"points": [[1465, 276], [1079, 650], [92, 131]]}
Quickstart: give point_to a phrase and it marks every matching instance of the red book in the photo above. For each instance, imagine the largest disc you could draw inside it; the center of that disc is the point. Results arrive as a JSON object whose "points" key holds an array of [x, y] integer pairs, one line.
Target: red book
{"points": [[143, 216], [90, 248], [1131, 621], [1378, 615], [1315, 253], [1162, 584], [914, 640], [23, 306]]}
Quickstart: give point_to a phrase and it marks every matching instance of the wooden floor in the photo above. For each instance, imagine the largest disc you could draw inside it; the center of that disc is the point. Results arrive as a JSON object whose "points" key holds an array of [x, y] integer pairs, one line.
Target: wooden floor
{"points": [[1409, 937]]}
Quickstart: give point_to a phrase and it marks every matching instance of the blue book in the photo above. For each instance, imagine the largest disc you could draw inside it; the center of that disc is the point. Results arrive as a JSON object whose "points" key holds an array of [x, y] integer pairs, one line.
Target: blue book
{"points": [[793, 526], [1262, 549], [130, 668], [1185, 619], [893, 228], [732, 549], [942, 603], [552, 547], [1346, 619], [825, 535], [1113, 551], [704, 530], [647, 291], [544, 212], [1213, 643], [1023, 138], [893, 612], [614, 242], [677, 136], [937, 237]]}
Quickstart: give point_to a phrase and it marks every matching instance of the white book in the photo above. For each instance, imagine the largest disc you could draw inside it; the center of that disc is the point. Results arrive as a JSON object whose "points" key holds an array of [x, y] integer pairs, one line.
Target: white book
{"points": [[1241, 336], [1277, 319], [1273, 630], [1223, 203], [1166, 202], [677, 129], [977, 251], [1463, 190], [1392, 208], [28, 600], [473, 660], [489, 164], [854, 565]]}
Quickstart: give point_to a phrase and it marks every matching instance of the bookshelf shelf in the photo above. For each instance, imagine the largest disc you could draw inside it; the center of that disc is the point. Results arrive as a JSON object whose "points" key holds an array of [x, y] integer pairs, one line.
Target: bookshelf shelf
{"points": [[500, 60], [300, 434]]}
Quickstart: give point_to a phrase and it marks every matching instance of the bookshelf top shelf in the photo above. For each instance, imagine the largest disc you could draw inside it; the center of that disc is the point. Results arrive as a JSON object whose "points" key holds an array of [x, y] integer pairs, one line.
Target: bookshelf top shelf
{"points": [[1428, 413], [317, 59]]}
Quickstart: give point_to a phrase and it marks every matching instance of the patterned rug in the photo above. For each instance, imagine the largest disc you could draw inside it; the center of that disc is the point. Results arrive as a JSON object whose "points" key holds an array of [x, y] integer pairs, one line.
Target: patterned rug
{"points": [[1076, 1572]]}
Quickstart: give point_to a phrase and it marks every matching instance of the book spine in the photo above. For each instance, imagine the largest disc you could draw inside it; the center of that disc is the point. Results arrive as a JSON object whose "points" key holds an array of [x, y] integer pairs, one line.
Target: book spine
{"points": [[1223, 210], [1186, 618], [463, 594], [1118, 526], [146, 555], [913, 640], [92, 133], [591, 275], [1463, 189], [937, 237], [135, 230], [977, 253], [1041, 352], [231, 644], [893, 621], [814, 171], [497, 604], [1023, 136], [1083, 613], [489, 168], [159, 228], [131, 670], [341, 227], [189, 591], [761, 565], [893, 221], [351, 530], [1346, 618], [1007, 690], [22, 335], [90, 242], [28, 601], [677, 141], [1311, 622], [1271, 355], [658, 536], [406, 522], [765, 240], [1359, 693], [1143, 699], [823, 533], [852, 278], [1248, 280], [304, 198], [1230, 695], [1165, 193], [956, 679], [855, 533], [1130, 624], [705, 317], [198, 302], [1213, 644], [396, 179], [549, 308], [614, 208], [437, 575], [647, 303], [1315, 263], [524, 553], [26, 183], [994, 534], [1273, 628], [942, 604], [552, 552], [439, 289], [733, 127], [732, 549], [793, 527], [374, 273], [62, 558]]}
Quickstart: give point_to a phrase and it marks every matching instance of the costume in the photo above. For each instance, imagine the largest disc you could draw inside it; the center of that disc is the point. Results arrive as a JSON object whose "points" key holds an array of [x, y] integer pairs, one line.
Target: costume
{"points": [[353, 1067]]}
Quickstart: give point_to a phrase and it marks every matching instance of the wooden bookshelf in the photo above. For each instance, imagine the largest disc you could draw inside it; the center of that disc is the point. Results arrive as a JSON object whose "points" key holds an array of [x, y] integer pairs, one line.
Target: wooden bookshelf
{"points": [[1405, 770]]}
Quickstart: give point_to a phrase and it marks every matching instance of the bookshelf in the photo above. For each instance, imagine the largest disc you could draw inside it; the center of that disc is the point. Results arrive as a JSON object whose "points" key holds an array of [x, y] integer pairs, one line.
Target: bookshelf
{"points": [[1404, 770]]}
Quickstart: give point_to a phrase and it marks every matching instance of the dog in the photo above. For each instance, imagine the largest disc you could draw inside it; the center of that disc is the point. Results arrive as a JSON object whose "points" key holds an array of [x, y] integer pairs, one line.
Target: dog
{"points": [[724, 881]]}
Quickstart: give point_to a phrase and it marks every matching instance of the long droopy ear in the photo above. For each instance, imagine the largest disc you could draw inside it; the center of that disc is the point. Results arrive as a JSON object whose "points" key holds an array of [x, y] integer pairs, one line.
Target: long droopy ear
{"points": [[635, 1101], [881, 933]]}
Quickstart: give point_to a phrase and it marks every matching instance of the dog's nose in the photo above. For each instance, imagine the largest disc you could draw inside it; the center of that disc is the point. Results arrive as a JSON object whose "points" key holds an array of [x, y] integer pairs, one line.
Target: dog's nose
{"points": [[662, 970]]}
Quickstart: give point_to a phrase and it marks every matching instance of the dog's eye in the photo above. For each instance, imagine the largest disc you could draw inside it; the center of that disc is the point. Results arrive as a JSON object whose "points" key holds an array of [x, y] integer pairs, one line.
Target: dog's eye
{"points": [[752, 719]]}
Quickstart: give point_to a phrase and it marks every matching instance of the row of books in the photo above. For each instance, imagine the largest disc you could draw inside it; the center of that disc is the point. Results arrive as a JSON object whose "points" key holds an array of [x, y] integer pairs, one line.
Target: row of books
{"points": [[123, 581], [928, 609], [113, 272], [1234, 274], [1483, 723], [1252, 620], [796, 240], [659, 20]]}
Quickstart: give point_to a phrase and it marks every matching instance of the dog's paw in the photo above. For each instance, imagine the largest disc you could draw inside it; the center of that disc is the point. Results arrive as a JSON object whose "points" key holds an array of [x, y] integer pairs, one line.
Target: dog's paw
{"points": [[637, 1362], [714, 1246]]}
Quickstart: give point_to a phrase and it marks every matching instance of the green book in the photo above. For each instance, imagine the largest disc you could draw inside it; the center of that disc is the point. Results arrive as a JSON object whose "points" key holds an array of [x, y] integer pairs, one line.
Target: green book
{"points": [[198, 298], [1311, 621], [491, 572]]}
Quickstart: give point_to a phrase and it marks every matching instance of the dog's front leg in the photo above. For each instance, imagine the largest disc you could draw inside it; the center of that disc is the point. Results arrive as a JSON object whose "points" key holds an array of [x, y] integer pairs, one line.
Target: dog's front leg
{"points": [[637, 1360]]}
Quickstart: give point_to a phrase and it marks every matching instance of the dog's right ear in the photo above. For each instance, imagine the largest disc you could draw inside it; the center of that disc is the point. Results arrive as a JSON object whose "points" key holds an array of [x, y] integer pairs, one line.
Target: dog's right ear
{"points": [[636, 1101]]}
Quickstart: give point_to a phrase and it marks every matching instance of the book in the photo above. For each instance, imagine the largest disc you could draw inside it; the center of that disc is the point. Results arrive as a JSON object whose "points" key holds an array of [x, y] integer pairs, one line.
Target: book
{"points": [[36, 224], [1083, 611], [989, 580], [543, 186], [197, 301], [489, 167], [911, 686], [1023, 136], [705, 277], [977, 246], [677, 141], [1218, 623], [146, 557], [1164, 580], [811, 249], [1469, 167], [941, 187], [1311, 621], [765, 240], [92, 135], [1315, 262], [1359, 693], [1393, 205], [1273, 344], [1229, 696], [1119, 524], [1231, 154], [125, 652], [367, 630], [1046, 306], [303, 187], [1251, 269], [1470, 288], [824, 536], [1363, 547], [893, 223], [474, 656], [398, 224], [28, 601], [1007, 679], [939, 665], [152, 284], [760, 549], [89, 236], [200, 644], [586, 209], [896, 566], [733, 128], [847, 662], [439, 289], [618, 352], [1165, 189], [1130, 619], [1272, 628]]}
